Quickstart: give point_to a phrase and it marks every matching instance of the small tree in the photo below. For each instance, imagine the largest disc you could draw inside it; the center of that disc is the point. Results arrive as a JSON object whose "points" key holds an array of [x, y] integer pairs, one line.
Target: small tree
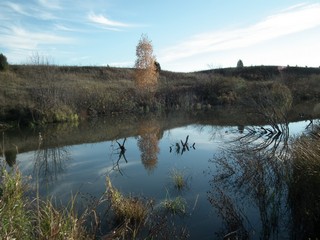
{"points": [[3, 62], [240, 64], [146, 73]]}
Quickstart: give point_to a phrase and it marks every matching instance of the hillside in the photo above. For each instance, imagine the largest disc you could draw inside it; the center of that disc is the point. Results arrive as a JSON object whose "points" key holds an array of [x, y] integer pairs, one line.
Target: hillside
{"points": [[45, 93]]}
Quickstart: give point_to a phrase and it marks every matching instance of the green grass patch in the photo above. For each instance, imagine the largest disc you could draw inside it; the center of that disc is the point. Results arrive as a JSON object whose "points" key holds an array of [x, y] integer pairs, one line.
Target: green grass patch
{"points": [[179, 179], [176, 206]]}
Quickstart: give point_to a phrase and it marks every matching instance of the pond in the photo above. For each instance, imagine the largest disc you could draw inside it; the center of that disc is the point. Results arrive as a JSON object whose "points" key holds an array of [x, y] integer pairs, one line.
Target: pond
{"points": [[225, 192]]}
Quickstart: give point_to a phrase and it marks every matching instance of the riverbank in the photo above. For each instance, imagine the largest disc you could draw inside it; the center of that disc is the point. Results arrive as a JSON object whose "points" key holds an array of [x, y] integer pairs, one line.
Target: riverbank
{"points": [[40, 94]]}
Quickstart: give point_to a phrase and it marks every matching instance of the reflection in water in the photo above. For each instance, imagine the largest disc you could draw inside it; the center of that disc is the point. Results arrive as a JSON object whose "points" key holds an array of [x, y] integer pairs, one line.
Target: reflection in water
{"points": [[255, 190], [122, 152], [184, 146], [272, 139], [49, 161], [148, 142], [253, 171], [234, 218], [11, 157]]}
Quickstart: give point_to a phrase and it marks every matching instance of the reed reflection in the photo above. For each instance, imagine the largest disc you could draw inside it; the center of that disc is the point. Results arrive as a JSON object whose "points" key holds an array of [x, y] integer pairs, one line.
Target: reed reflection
{"points": [[8, 153], [185, 146], [11, 157], [252, 172], [260, 170], [50, 158], [121, 155]]}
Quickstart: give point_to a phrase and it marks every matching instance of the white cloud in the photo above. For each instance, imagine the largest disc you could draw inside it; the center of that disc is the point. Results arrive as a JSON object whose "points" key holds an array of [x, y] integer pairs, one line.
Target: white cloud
{"points": [[105, 22], [292, 20]]}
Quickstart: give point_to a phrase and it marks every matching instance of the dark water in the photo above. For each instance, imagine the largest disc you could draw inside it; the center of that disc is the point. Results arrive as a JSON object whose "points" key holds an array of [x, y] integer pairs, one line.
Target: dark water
{"points": [[228, 190]]}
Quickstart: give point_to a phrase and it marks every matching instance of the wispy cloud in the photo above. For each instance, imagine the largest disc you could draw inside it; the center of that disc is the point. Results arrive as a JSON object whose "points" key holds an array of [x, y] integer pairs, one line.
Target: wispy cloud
{"points": [[104, 22], [61, 27], [39, 10], [17, 8], [53, 4], [297, 18], [21, 39], [22, 29]]}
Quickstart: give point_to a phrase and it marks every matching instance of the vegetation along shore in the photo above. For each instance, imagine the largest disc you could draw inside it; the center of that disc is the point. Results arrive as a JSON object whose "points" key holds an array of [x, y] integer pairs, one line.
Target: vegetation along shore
{"points": [[44, 93]]}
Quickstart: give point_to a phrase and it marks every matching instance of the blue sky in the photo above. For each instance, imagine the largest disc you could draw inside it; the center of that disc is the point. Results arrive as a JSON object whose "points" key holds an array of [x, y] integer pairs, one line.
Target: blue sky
{"points": [[186, 35]]}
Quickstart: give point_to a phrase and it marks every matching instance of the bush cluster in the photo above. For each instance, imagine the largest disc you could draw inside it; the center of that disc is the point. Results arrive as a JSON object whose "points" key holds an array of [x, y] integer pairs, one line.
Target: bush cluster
{"points": [[3, 62]]}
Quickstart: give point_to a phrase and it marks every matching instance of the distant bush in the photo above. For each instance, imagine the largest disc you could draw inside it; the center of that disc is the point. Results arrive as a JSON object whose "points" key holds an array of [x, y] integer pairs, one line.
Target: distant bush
{"points": [[3, 62], [240, 64]]}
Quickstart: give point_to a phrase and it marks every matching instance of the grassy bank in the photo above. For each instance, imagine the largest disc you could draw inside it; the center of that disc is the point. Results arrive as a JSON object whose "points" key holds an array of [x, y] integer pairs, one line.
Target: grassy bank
{"points": [[24, 215], [45, 93], [25, 218]]}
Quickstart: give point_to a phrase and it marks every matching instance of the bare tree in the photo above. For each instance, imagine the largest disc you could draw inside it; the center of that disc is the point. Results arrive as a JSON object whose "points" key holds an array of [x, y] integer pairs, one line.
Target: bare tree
{"points": [[146, 74]]}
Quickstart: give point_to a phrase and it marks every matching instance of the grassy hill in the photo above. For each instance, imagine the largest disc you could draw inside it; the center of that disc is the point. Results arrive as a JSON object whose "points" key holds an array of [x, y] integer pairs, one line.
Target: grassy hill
{"points": [[45, 93], [263, 73]]}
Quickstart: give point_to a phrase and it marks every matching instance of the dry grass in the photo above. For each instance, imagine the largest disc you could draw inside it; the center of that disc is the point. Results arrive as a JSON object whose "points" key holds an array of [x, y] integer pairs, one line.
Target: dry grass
{"points": [[127, 209], [304, 186], [306, 152], [15, 218], [19, 219], [60, 224], [130, 212]]}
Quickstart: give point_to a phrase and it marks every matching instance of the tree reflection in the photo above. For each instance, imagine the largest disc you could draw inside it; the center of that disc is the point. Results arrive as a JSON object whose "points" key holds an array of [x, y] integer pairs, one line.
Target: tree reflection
{"points": [[260, 172], [150, 134], [50, 158], [252, 171]]}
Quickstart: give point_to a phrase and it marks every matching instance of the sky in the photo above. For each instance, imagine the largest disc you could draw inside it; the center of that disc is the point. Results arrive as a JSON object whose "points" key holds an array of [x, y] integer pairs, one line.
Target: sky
{"points": [[186, 35]]}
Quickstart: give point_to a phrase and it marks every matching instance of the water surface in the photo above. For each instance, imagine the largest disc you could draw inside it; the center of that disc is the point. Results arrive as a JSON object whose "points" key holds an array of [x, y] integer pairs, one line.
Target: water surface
{"points": [[68, 159]]}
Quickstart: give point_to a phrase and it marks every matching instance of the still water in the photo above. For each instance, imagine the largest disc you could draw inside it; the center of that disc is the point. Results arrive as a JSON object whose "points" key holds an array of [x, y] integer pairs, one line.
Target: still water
{"points": [[225, 193]]}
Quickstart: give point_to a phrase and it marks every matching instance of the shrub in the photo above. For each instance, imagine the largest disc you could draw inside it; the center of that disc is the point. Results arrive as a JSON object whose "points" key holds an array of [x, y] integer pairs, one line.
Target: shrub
{"points": [[240, 64], [3, 62]]}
